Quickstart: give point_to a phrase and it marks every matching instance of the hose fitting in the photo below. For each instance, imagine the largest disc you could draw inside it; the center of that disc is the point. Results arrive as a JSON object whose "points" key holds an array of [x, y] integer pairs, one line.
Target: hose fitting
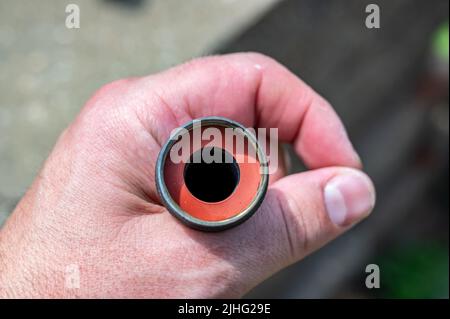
{"points": [[219, 178]]}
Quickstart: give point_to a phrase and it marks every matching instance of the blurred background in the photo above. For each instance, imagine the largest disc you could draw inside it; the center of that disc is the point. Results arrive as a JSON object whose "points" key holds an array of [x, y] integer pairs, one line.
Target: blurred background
{"points": [[389, 85]]}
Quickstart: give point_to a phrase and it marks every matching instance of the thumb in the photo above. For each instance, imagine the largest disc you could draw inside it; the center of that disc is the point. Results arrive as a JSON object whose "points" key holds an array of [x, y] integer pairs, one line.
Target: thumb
{"points": [[306, 210]]}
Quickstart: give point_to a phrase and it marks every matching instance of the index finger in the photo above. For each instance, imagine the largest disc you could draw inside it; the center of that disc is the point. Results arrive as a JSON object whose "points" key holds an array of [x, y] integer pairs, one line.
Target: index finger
{"points": [[256, 91]]}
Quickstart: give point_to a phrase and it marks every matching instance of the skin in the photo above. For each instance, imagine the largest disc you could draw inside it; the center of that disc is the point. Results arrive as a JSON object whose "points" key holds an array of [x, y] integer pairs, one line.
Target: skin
{"points": [[94, 204]]}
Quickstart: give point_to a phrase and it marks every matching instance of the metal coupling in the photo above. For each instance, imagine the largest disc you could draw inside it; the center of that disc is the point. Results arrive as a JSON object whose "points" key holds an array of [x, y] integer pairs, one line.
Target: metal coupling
{"points": [[212, 174]]}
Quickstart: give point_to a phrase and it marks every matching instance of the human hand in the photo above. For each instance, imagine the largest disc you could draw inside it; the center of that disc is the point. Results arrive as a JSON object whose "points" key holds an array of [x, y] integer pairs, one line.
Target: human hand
{"points": [[94, 204]]}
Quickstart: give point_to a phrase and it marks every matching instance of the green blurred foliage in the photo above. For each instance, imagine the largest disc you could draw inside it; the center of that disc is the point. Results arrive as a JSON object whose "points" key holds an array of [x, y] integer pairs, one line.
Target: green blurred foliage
{"points": [[441, 42], [417, 271]]}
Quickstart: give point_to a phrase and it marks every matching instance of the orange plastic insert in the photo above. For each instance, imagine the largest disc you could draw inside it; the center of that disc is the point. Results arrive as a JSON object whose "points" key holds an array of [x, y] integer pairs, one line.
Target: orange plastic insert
{"points": [[237, 181]]}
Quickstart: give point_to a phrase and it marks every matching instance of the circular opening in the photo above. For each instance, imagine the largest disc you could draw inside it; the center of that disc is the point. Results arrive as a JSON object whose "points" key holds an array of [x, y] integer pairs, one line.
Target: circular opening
{"points": [[212, 174]]}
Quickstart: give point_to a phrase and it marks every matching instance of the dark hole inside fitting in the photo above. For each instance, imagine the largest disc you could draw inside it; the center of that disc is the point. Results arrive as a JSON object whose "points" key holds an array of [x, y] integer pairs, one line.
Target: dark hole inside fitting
{"points": [[211, 180]]}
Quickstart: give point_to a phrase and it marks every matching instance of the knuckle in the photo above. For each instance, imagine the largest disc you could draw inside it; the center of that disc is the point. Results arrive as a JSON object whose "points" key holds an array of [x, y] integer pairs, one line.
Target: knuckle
{"points": [[261, 58], [108, 94]]}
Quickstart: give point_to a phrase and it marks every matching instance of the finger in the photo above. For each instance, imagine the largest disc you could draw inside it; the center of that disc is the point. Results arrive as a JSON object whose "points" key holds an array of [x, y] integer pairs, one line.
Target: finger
{"points": [[293, 223], [258, 92]]}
